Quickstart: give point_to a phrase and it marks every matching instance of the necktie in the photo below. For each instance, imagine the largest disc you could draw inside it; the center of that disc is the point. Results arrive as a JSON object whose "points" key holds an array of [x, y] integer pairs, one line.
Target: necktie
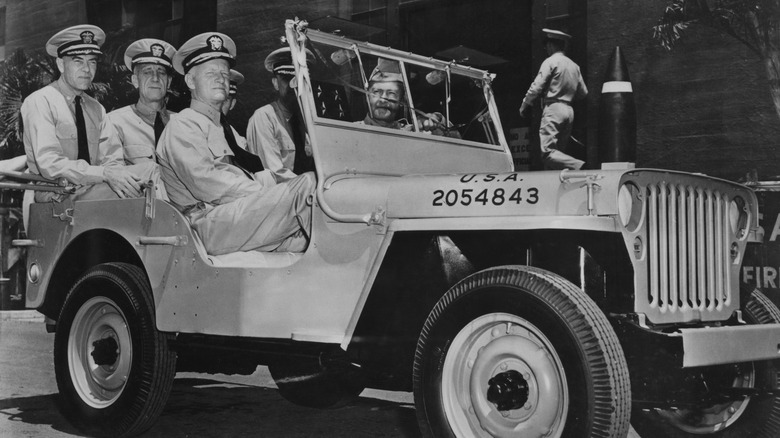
{"points": [[245, 160], [158, 127], [81, 132], [301, 163]]}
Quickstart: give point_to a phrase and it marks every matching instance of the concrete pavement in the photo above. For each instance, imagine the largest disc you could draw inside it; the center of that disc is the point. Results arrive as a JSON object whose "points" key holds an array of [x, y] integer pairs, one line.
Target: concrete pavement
{"points": [[200, 405]]}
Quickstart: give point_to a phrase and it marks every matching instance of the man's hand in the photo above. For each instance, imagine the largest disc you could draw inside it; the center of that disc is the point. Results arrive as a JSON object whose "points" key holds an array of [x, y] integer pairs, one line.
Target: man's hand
{"points": [[122, 182], [524, 109]]}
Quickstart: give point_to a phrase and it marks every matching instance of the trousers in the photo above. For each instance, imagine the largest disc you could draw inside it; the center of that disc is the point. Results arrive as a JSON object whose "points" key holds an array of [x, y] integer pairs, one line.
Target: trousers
{"points": [[277, 218], [554, 133]]}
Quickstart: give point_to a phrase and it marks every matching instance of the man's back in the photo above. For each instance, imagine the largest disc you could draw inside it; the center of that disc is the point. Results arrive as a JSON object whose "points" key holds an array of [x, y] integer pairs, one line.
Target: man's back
{"points": [[565, 79]]}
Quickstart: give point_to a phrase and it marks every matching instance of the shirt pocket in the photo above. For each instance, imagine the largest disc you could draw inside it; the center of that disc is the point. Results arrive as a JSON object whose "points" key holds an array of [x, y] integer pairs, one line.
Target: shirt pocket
{"points": [[218, 145], [68, 138], [138, 153]]}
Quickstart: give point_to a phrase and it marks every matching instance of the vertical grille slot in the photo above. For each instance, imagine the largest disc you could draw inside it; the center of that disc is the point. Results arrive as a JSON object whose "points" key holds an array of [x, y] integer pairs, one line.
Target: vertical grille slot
{"points": [[688, 241]]}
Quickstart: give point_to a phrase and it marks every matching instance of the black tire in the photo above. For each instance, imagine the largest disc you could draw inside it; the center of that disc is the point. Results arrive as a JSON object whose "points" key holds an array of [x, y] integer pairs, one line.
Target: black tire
{"points": [[316, 383], [755, 417], [106, 331], [503, 328]]}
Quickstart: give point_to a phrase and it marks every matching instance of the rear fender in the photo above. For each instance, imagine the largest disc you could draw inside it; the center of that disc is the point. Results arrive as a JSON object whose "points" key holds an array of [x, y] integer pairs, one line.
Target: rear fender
{"points": [[89, 249]]}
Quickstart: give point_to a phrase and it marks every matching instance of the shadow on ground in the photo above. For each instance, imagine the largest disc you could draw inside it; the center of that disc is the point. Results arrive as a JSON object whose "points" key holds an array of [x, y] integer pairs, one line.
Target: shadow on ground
{"points": [[209, 408]]}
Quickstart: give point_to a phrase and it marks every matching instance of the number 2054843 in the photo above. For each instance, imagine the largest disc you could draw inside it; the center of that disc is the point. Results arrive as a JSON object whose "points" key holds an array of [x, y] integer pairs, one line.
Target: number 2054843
{"points": [[497, 196]]}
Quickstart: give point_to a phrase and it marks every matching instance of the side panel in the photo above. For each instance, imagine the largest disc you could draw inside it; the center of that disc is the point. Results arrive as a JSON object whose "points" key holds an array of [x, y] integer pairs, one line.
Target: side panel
{"points": [[311, 299]]}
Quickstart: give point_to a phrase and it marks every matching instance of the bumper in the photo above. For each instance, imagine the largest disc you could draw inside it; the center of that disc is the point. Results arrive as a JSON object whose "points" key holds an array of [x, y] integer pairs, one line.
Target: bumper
{"points": [[723, 345]]}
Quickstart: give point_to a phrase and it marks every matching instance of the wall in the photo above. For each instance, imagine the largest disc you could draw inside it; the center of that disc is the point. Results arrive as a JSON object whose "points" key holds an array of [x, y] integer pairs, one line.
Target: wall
{"points": [[703, 107], [30, 23], [256, 28]]}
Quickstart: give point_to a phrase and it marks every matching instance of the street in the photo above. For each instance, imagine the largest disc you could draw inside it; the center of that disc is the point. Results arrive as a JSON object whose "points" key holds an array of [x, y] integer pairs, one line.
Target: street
{"points": [[201, 405]]}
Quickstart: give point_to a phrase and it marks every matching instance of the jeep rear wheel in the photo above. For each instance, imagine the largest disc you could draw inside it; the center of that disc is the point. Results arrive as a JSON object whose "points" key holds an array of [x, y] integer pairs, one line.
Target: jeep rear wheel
{"points": [[114, 369], [751, 416], [518, 351]]}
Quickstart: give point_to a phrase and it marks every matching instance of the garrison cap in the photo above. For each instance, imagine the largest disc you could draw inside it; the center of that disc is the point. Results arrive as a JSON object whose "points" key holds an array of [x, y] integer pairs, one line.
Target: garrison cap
{"points": [[82, 39], [149, 51], [556, 35], [386, 71], [236, 79], [202, 48]]}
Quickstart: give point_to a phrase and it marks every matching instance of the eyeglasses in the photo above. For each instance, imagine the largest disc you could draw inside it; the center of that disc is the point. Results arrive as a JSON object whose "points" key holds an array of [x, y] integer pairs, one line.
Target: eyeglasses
{"points": [[387, 94]]}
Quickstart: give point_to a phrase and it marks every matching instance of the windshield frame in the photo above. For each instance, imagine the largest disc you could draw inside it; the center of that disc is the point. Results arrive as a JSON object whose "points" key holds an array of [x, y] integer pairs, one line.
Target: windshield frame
{"points": [[297, 40]]}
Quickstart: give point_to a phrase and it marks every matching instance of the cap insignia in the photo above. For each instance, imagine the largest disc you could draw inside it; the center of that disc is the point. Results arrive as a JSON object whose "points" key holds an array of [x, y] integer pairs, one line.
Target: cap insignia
{"points": [[157, 50], [215, 43], [87, 37]]}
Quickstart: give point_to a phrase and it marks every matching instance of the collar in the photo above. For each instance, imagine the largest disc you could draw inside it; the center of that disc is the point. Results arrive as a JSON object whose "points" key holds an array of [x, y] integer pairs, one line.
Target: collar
{"points": [[147, 110], [283, 110], [207, 110], [66, 90]]}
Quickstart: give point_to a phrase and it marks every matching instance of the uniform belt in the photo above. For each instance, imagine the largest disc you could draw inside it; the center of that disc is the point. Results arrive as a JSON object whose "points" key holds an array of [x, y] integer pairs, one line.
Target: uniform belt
{"points": [[190, 209], [548, 101]]}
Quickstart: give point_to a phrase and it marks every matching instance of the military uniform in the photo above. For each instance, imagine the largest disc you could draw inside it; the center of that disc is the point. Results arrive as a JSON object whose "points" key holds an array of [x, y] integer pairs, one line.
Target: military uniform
{"points": [[51, 133], [231, 209], [270, 133], [135, 124], [559, 83]]}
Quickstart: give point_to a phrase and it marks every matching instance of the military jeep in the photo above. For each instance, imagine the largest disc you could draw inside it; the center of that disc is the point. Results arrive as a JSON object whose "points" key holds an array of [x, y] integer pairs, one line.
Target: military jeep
{"points": [[533, 304]]}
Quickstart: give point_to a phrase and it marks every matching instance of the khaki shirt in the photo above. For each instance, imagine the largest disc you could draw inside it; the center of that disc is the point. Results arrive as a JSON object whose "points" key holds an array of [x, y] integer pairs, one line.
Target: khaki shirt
{"points": [[195, 161], [559, 78], [51, 142], [134, 125], [271, 139]]}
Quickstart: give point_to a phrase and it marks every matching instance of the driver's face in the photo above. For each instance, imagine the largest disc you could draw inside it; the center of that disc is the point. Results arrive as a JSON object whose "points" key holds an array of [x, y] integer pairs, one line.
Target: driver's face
{"points": [[384, 100]]}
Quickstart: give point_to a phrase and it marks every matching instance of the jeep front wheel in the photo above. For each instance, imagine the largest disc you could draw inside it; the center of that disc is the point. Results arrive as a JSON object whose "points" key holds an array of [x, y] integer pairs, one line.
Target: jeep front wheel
{"points": [[518, 351], [114, 369], [745, 416]]}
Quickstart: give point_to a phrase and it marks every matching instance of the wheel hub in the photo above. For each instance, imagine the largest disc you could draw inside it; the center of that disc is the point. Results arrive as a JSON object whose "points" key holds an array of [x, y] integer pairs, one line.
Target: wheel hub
{"points": [[508, 390], [105, 351]]}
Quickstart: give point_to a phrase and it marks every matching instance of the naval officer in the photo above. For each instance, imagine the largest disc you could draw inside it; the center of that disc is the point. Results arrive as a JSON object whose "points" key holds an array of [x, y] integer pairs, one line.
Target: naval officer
{"points": [[67, 134], [231, 208]]}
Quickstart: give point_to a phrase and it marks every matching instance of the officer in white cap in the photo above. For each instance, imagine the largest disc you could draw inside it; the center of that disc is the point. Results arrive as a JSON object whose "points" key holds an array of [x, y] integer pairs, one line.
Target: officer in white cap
{"points": [[236, 79], [237, 143], [140, 125], [276, 131], [67, 134], [559, 83], [231, 208]]}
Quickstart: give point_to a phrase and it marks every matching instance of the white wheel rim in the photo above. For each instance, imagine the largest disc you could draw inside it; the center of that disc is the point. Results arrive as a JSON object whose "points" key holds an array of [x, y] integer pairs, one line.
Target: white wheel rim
{"points": [[99, 384], [716, 417], [488, 346]]}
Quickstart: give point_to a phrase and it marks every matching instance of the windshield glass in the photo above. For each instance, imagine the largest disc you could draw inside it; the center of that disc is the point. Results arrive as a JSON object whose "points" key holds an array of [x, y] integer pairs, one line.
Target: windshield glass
{"points": [[356, 85]]}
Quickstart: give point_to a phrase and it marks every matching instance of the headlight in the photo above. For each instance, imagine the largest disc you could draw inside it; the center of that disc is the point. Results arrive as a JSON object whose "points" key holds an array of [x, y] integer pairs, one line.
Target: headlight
{"points": [[630, 206], [738, 217]]}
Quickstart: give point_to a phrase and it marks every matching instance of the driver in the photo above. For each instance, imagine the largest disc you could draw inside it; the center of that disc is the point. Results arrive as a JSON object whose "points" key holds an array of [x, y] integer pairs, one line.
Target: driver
{"points": [[385, 95]]}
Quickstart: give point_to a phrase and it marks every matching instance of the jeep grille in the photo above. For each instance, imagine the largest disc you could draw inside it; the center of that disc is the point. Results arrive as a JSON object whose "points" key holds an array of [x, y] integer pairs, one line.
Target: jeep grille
{"points": [[688, 248]]}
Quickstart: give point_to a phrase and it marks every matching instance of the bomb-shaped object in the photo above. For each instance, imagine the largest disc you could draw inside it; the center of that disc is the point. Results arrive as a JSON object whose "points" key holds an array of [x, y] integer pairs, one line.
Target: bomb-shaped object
{"points": [[617, 114]]}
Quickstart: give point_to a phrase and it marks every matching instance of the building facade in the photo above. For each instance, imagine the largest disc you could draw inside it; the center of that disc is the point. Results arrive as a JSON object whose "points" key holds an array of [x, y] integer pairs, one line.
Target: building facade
{"points": [[703, 107]]}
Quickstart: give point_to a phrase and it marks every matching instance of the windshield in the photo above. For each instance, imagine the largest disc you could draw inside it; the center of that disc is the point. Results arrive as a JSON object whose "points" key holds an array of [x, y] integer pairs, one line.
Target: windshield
{"points": [[361, 85]]}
